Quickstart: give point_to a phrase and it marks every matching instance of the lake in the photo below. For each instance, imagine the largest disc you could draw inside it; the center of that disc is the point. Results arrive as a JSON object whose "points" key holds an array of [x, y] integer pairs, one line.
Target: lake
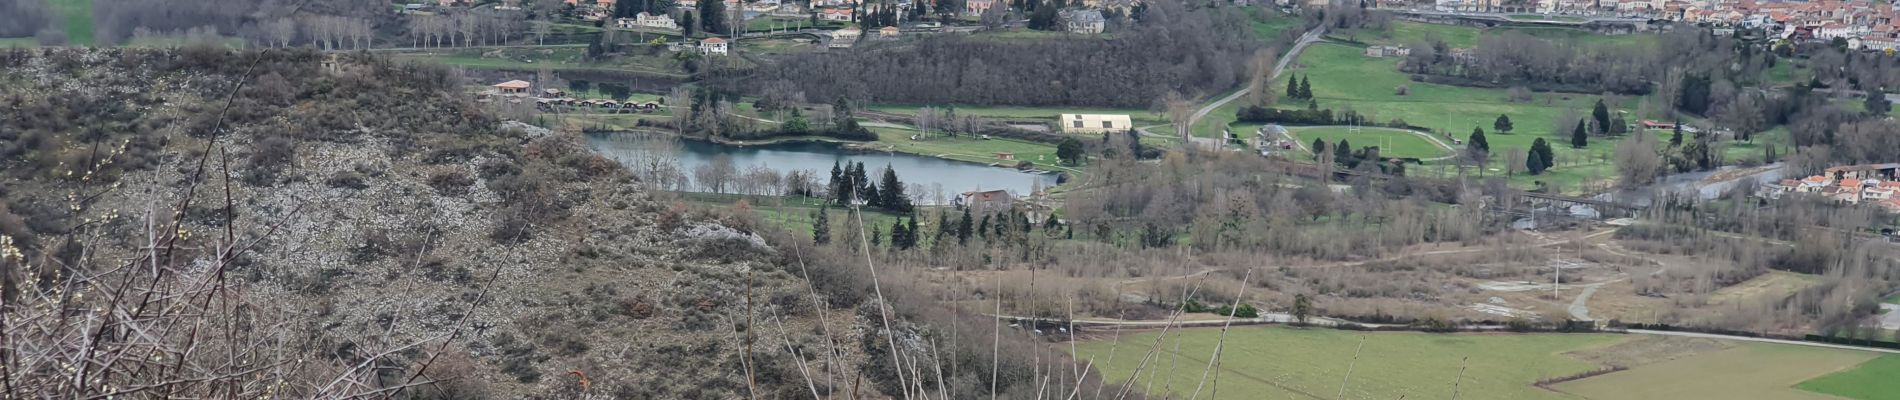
{"points": [[934, 174]]}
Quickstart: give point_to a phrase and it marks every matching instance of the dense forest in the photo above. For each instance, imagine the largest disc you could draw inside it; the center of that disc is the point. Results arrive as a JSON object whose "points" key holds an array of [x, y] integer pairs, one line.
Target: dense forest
{"points": [[24, 18], [1171, 48]]}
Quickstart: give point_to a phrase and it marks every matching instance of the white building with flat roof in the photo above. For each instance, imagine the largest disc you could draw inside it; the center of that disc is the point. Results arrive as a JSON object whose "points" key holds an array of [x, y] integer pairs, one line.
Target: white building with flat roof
{"points": [[1095, 123]]}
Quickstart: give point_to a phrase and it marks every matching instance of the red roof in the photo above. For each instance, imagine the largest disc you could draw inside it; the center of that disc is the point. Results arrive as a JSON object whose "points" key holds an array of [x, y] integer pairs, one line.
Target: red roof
{"points": [[713, 41]]}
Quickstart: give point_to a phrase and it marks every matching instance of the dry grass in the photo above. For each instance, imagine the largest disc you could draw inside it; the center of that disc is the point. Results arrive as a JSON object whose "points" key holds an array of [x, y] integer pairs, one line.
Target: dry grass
{"points": [[1749, 371]]}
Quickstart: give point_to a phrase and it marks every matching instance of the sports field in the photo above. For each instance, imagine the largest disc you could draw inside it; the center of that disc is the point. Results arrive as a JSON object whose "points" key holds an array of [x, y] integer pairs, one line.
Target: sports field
{"points": [[1750, 371], [1877, 379], [1287, 363], [1391, 142]]}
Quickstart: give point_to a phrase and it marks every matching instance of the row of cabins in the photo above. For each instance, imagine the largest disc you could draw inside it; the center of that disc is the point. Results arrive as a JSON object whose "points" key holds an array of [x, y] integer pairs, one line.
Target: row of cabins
{"points": [[547, 99], [1873, 184]]}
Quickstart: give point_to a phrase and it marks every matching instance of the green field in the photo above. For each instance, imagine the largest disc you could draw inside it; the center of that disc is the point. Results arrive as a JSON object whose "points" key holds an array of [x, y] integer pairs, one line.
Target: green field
{"points": [[1748, 371], [966, 148], [1343, 78], [76, 15], [1283, 363], [1391, 142], [1895, 299], [1877, 379]]}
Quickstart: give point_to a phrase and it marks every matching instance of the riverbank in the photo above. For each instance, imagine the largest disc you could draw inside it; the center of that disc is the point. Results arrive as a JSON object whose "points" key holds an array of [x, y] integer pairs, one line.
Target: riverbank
{"points": [[1009, 154]]}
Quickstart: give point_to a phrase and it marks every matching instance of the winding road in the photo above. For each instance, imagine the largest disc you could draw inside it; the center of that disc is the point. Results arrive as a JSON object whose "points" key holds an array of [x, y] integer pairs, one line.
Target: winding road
{"points": [[1307, 39]]}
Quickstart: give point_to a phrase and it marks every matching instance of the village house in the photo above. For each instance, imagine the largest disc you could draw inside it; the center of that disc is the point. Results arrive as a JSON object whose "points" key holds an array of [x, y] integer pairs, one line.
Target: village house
{"points": [[987, 202], [644, 20], [1084, 21], [835, 14], [1873, 184], [844, 38], [888, 32], [514, 87], [713, 46], [1095, 123], [1387, 51]]}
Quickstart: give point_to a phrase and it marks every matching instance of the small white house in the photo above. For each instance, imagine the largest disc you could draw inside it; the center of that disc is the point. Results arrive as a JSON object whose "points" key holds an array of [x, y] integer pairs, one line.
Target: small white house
{"points": [[713, 46]]}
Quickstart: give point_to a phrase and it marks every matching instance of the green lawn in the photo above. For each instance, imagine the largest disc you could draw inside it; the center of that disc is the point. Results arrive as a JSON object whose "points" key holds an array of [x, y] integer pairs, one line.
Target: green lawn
{"points": [[1268, 23], [966, 148], [1895, 299], [77, 18], [1343, 78], [1286, 363], [1877, 379], [1391, 142]]}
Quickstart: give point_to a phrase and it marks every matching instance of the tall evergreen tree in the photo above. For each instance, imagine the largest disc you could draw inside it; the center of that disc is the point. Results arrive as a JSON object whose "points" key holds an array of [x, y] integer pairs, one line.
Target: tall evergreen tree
{"points": [[900, 237], [1675, 139], [1579, 138], [1292, 86], [840, 191], [1540, 158], [1502, 125], [1319, 147], [1476, 145], [1601, 114], [963, 227], [1342, 152], [911, 227], [687, 25], [821, 226], [1306, 87], [983, 228], [1534, 162], [712, 16], [891, 192]]}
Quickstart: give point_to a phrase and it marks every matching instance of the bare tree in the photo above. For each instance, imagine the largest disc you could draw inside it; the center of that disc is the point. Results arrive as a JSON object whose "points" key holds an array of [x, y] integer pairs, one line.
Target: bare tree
{"points": [[1637, 160], [281, 31], [1180, 113], [716, 175]]}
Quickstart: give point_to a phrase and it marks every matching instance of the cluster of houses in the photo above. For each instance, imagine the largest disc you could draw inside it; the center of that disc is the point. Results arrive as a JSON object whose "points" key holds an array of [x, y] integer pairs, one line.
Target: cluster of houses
{"points": [[1872, 184], [1865, 24], [518, 91]]}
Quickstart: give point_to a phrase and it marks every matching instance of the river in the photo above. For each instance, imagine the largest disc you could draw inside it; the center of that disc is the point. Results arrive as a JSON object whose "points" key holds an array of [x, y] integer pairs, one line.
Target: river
{"points": [[934, 175]]}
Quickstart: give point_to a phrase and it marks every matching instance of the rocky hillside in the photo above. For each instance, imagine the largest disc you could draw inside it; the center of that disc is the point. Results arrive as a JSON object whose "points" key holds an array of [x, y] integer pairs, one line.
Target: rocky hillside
{"points": [[292, 224]]}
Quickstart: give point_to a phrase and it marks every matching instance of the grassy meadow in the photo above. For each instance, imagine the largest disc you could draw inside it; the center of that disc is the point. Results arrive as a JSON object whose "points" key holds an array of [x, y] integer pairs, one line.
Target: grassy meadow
{"points": [[1344, 79], [1281, 363], [1877, 379], [1749, 371]]}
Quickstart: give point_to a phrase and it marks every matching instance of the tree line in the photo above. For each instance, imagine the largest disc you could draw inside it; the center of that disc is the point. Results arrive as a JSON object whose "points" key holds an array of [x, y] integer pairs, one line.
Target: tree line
{"points": [[1154, 58]]}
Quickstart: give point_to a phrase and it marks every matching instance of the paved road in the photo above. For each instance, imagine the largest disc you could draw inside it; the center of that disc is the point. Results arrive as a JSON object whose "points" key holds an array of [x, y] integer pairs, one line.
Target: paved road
{"points": [[1287, 59], [1890, 320]]}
